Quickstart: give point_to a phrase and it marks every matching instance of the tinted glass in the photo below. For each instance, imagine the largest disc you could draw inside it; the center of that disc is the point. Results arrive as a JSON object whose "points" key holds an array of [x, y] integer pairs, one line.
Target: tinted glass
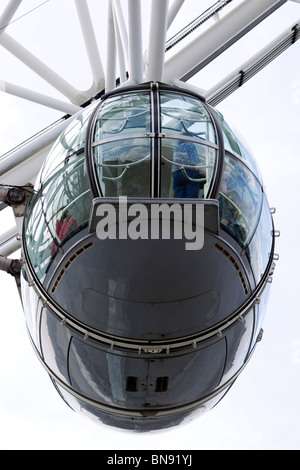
{"points": [[57, 210], [185, 115], [259, 250], [62, 199], [123, 114], [69, 142], [234, 143], [187, 168], [121, 151], [123, 167], [240, 200]]}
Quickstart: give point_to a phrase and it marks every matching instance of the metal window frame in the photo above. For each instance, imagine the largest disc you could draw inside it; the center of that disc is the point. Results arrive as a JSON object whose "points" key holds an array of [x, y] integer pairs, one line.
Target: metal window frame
{"points": [[156, 137]]}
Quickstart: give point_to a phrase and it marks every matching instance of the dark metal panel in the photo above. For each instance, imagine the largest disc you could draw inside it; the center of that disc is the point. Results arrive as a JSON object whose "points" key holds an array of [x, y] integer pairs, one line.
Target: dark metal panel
{"points": [[190, 376], [139, 381], [149, 319], [102, 375], [150, 289]]}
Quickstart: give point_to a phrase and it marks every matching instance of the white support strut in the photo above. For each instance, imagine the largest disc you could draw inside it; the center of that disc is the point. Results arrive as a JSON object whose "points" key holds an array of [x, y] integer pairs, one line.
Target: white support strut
{"points": [[29, 149], [8, 14], [119, 43], [91, 46], [157, 40], [208, 45], [35, 97], [174, 10], [111, 51], [120, 22], [135, 41], [252, 66], [42, 69]]}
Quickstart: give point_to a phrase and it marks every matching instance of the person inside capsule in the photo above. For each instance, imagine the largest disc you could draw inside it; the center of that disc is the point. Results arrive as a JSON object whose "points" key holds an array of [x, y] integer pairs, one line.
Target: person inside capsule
{"points": [[187, 171], [65, 225]]}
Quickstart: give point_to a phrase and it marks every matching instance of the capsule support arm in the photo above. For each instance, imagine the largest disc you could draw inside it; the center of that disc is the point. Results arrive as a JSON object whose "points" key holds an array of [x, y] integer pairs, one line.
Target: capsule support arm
{"points": [[11, 266]]}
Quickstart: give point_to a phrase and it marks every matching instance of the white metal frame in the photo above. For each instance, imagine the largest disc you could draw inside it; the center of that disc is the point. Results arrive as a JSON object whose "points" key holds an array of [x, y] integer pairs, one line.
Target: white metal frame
{"points": [[132, 62]]}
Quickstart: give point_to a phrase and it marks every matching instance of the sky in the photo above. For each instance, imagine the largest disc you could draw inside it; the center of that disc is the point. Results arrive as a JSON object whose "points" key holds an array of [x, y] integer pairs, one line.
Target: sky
{"points": [[262, 410]]}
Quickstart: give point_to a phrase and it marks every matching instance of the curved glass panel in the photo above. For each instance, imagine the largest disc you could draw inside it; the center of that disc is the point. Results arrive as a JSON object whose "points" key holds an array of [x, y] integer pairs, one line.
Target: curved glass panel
{"points": [[238, 339], [32, 306], [260, 248], [260, 311], [240, 200], [121, 151], [66, 200], [72, 140], [123, 167], [123, 114], [187, 168], [185, 115], [138, 133], [61, 202], [233, 142], [56, 211], [38, 237]]}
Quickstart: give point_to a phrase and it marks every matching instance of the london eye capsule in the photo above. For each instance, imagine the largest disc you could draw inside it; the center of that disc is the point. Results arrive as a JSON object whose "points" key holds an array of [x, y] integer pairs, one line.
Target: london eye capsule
{"points": [[149, 246]]}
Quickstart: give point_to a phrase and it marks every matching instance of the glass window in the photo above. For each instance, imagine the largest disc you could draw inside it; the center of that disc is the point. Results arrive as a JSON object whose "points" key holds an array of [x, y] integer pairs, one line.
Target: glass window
{"points": [[124, 167], [260, 311], [240, 200], [66, 200], [238, 339], [233, 142], [121, 150], [185, 115], [259, 250], [69, 142], [186, 168], [123, 114], [124, 146], [58, 209], [38, 237], [62, 200]]}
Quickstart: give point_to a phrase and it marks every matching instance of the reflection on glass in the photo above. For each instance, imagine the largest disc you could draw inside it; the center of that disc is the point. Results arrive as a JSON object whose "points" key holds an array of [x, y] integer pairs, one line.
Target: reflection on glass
{"points": [[240, 200], [259, 250], [233, 142], [186, 115], [69, 142], [186, 169], [123, 167], [58, 209], [38, 237], [62, 200], [121, 115], [121, 150], [238, 341]]}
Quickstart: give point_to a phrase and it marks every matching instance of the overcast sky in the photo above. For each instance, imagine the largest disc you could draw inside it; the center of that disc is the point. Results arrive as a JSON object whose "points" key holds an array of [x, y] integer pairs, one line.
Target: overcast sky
{"points": [[262, 410]]}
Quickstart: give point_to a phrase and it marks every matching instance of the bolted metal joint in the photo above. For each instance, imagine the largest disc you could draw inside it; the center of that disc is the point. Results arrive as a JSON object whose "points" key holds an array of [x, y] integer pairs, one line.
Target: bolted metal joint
{"points": [[11, 266], [15, 196], [15, 267]]}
